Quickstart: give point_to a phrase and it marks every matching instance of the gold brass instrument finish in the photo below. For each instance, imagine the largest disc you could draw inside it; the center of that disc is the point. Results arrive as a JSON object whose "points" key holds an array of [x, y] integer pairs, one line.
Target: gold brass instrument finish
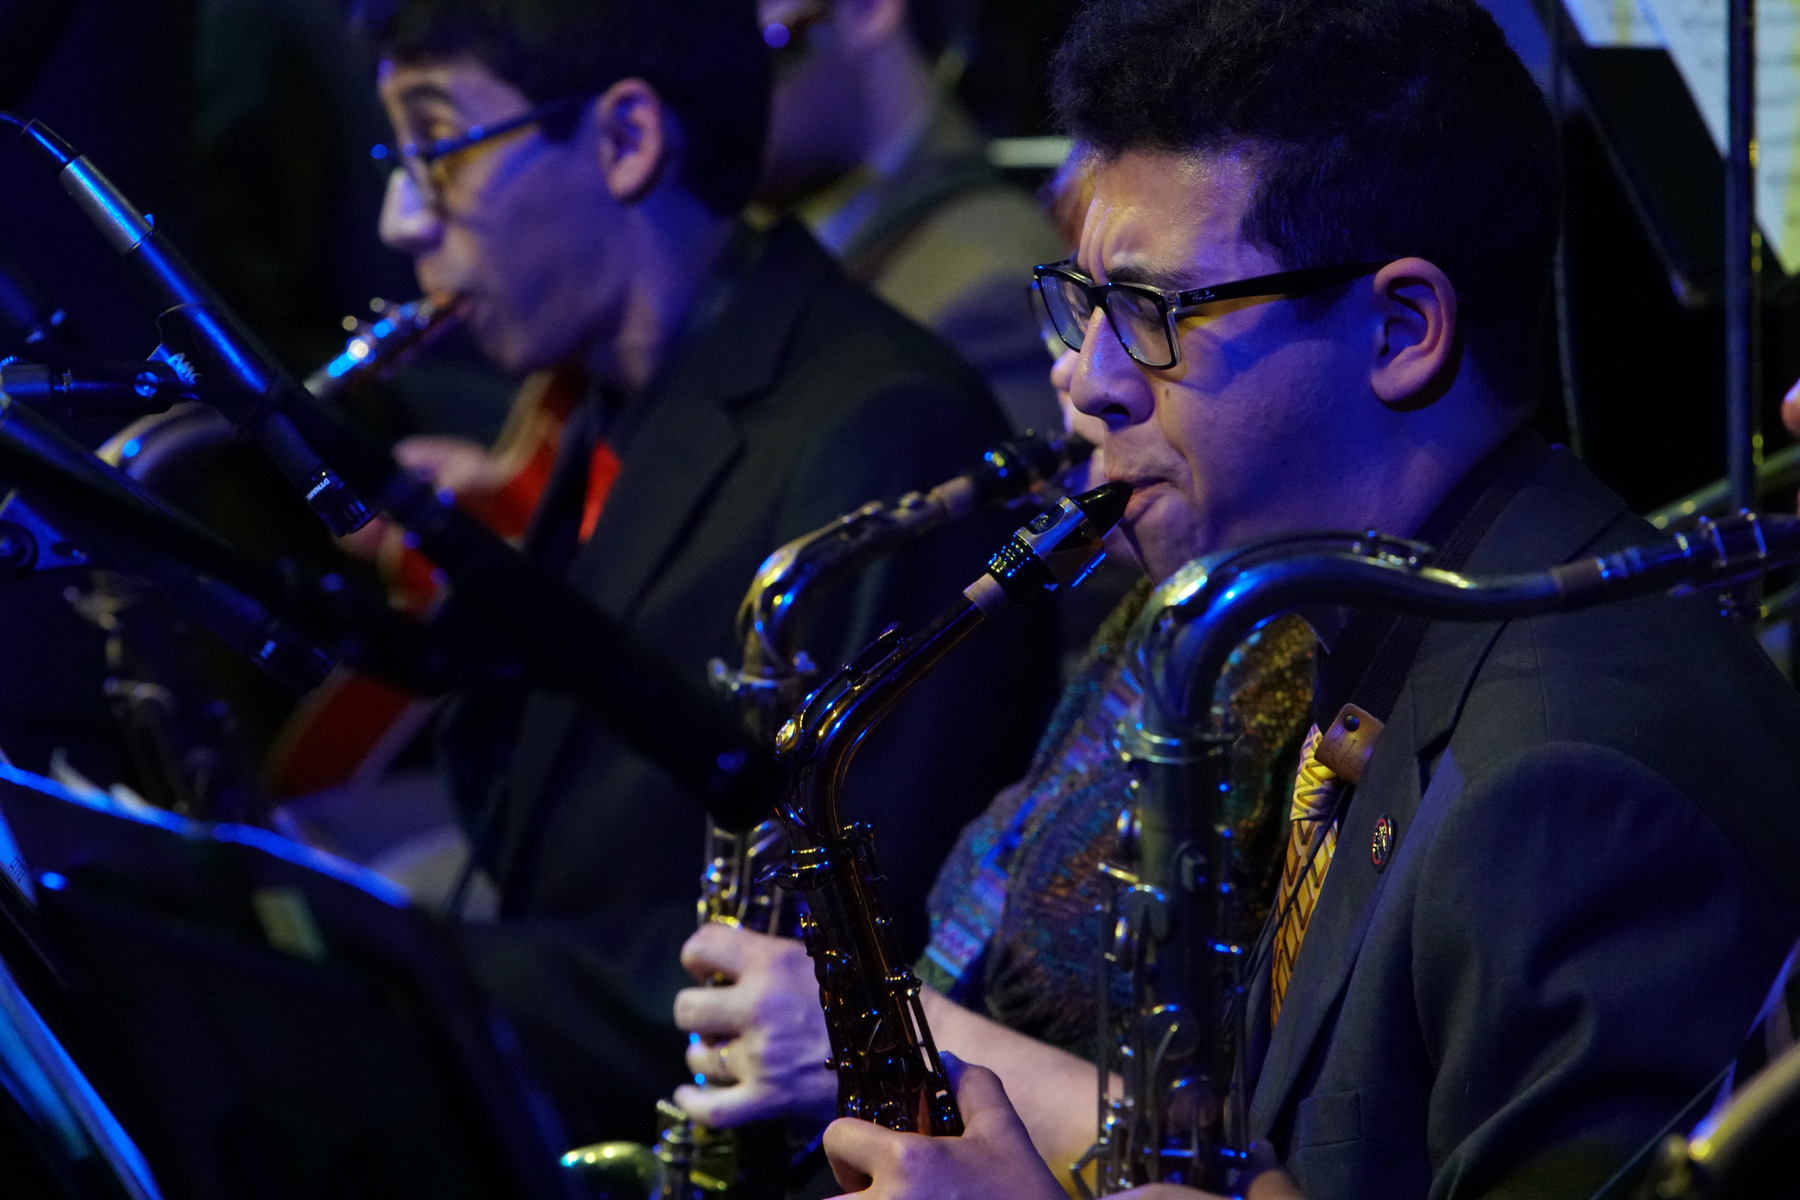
{"points": [[887, 1066], [1175, 1119], [776, 673], [751, 1162]]}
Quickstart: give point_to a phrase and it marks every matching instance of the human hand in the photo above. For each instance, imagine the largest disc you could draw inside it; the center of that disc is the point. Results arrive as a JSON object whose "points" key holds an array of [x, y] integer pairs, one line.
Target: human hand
{"points": [[455, 463], [761, 1041], [992, 1160]]}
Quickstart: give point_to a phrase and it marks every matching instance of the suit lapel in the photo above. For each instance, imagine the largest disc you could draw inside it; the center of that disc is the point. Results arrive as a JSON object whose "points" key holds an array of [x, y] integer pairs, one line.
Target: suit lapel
{"points": [[675, 443], [1551, 520], [1353, 888], [682, 435]]}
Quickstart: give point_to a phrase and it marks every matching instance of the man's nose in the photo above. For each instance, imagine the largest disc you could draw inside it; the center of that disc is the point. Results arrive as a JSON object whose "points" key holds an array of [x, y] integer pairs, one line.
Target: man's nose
{"points": [[408, 224], [1107, 384]]}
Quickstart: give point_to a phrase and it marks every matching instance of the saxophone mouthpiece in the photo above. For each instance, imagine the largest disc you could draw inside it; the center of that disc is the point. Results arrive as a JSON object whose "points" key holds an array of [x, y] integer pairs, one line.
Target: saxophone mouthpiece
{"points": [[1058, 549], [1105, 505]]}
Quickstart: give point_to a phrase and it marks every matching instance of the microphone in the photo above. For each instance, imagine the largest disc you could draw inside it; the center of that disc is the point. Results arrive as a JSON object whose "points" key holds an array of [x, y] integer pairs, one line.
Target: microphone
{"points": [[506, 610], [127, 392], [68, 523], [248, 387], [510, 621]]}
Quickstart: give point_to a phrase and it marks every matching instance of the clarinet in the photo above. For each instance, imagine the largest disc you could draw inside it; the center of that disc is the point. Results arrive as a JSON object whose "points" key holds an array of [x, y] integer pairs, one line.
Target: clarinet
{"points": [[1172, 931], [748, 1163], [376, 349], [886, 1063]]}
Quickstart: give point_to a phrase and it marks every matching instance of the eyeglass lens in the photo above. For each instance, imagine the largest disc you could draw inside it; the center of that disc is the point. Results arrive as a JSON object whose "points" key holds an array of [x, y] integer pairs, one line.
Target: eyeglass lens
{"points": [[423, 175], [1136, 317]]}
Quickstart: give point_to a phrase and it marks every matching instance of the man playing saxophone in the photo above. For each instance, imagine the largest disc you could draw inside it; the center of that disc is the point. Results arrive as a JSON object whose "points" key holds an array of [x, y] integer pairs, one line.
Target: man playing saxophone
{"points": [[1532, 916]]}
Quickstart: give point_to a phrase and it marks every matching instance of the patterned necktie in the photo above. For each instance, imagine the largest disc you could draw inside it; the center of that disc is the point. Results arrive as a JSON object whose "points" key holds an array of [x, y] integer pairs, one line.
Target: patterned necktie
{"points": [[1312, 837]]}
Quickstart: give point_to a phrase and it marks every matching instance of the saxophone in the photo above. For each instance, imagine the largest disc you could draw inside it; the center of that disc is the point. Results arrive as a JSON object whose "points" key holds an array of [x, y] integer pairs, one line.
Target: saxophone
{"points": [[886, 1063], [1173, 929], [693, 1160]]}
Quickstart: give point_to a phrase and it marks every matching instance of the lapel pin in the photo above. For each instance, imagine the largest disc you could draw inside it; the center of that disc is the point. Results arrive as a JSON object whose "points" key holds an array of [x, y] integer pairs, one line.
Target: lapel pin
{"points": [[1382, 844]]}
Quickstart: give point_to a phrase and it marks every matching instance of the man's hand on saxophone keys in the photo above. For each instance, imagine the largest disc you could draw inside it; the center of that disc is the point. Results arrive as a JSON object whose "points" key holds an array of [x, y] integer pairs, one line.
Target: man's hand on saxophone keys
{"points": [[759, 1038], [994, 1159]]}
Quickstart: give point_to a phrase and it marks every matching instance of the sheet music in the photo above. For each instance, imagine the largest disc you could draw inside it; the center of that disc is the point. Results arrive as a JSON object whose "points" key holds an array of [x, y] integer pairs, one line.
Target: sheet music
{"points": [[1695, 33], [1613, 23]]}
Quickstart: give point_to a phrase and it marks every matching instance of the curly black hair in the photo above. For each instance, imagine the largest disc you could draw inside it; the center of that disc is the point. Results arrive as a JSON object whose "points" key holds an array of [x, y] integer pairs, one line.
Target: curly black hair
{"points": [[1381, 128], [705, 58]]}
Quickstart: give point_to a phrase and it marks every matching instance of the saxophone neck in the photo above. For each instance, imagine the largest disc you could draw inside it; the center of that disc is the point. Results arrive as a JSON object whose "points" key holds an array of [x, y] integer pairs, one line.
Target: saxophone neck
{"points": [[1059, 548], [790, 580], [818, 742]]}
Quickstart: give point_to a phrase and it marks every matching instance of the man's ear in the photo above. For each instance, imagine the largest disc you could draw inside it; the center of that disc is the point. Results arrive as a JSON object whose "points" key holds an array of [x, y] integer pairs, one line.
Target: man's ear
{"points": [[634, 140], [1418, 340]]}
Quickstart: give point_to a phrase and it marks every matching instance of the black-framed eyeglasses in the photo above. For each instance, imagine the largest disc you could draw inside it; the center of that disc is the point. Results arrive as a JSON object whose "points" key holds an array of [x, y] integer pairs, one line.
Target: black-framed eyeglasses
{"points": [[428, 167], [1047, 330], [1143, 317]]}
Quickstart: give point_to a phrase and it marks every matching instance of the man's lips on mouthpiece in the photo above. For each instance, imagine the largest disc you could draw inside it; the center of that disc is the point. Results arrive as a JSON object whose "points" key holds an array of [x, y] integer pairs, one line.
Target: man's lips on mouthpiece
{"points": [[1143, 493]]}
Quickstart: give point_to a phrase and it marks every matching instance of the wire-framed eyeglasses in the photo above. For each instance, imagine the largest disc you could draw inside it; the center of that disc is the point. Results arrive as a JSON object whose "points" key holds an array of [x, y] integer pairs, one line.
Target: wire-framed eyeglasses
{"points": [[1143, 317], [428, 166]]}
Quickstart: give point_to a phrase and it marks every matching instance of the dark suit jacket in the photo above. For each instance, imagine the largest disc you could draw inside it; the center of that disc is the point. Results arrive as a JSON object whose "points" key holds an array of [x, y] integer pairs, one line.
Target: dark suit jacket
{"points": [[798, 397], [1591, 886]]}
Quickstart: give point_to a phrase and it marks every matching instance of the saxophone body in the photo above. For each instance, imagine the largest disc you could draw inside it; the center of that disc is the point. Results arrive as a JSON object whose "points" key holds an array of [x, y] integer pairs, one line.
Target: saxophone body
{"points": [[887, 1066], [691, 1161], [737, 881], [1175, 1119]]}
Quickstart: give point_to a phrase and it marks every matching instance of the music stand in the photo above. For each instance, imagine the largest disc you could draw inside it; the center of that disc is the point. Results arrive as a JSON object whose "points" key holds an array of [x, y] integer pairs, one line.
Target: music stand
{"points": [[266, 1020]]}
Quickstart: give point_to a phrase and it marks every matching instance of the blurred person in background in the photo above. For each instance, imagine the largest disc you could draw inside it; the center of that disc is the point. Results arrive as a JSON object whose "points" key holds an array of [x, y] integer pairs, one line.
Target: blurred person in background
{"points": [[869, 148]]}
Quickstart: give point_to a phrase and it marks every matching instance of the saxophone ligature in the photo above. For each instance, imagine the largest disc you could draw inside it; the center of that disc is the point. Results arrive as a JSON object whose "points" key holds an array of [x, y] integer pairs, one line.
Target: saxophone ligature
{"points": [[886, 1063], [1173, 1118]]}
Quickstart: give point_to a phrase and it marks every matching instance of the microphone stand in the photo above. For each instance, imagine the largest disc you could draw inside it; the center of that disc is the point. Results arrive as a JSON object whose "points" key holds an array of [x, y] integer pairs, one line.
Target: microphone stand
{"points": [[295, 627]]}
